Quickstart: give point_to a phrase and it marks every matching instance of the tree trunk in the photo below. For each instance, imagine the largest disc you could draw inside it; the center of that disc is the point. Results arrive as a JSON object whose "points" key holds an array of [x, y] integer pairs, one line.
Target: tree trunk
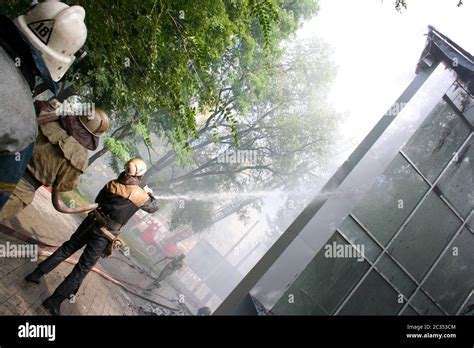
{"points": [[97, 155]]}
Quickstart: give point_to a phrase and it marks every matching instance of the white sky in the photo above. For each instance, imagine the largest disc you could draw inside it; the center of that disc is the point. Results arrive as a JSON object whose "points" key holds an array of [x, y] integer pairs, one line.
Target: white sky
{"points": [[376, 51]]}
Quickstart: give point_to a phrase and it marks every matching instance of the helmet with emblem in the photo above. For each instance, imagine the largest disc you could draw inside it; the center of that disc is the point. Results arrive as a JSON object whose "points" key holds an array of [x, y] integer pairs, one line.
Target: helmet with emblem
{"points": [[57, 31]]}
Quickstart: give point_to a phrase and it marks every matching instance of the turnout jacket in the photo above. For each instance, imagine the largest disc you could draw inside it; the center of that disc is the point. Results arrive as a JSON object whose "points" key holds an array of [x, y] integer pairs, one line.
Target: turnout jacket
{"points": [[58, 159], [121, 198], [18, 126]]}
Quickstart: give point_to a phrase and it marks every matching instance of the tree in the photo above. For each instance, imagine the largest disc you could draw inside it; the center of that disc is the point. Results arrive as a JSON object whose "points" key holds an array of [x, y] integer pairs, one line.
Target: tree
{"points": [[247, 39], [289, 128]]}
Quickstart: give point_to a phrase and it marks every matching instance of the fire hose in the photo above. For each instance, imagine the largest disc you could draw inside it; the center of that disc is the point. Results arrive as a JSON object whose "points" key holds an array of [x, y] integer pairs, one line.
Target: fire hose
{"points": [[108, 277], [21, 236], [59, 206]]}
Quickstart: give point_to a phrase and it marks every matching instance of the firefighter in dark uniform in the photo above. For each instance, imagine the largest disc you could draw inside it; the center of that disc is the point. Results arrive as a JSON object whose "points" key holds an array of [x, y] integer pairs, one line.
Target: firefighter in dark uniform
{"points": [[176, 263], [117, 202], [59, 158]]}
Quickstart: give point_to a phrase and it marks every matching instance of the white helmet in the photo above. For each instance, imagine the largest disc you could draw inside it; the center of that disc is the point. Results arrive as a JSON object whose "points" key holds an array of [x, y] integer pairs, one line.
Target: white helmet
{"points": [[135, 167], [57, 31]]}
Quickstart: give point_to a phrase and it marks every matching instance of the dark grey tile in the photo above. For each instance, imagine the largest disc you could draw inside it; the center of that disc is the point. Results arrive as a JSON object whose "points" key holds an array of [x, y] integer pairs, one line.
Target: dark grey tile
{"points": [[468, 305], [400, 280], [433, 144], [326, 281], [470, 224], [391, 200], [296, 303], [425, 236], [457, 185], [424, 305], [453, 277], [357, 236], [408, 311], [373, 297]]}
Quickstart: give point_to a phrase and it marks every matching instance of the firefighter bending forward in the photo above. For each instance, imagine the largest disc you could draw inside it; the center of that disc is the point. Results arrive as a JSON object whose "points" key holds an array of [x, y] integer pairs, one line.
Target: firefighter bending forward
{"points": [[59, 158], [117, 202]]}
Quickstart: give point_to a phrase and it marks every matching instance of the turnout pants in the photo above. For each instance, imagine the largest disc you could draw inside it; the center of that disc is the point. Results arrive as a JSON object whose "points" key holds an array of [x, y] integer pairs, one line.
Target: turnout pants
{"points": [[12, 167], [21, 197], [86, 234]]}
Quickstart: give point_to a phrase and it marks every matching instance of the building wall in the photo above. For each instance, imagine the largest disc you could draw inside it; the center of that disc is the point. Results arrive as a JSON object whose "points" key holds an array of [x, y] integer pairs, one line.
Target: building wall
{"points": [[416, 228]]}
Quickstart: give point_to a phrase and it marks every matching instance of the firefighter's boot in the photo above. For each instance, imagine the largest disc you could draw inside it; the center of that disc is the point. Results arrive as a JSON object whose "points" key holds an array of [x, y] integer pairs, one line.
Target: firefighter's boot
{"points": [[53, 303], [35, 276]]}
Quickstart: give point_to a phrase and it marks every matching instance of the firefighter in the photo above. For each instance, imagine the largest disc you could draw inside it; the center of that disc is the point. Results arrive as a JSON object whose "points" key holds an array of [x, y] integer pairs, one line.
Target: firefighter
{"points": [[117, 202], [175, 264], [59, 157], [39, 45]]}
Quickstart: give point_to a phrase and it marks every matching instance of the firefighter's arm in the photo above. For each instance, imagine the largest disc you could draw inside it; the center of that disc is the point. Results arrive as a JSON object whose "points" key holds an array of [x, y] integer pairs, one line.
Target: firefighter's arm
{"points": [[61, 207], [46, 110], [151, 205]]}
